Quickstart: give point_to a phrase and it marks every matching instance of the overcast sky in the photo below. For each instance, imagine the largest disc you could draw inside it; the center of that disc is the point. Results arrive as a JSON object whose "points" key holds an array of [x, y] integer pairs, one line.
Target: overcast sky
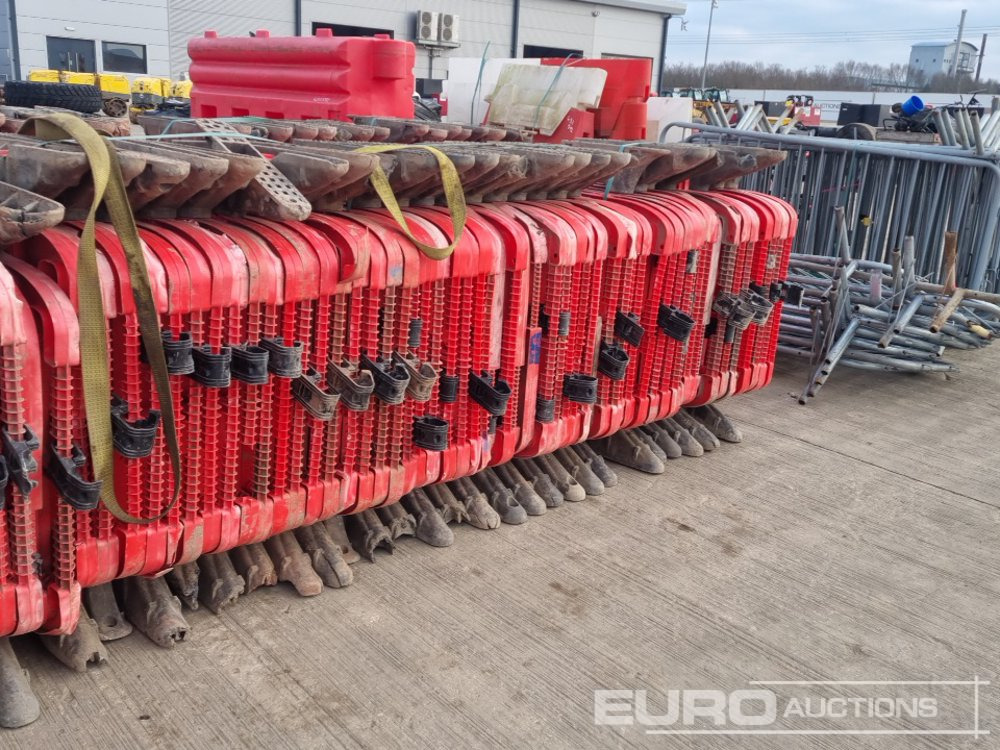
{"points": [[803, 33]]}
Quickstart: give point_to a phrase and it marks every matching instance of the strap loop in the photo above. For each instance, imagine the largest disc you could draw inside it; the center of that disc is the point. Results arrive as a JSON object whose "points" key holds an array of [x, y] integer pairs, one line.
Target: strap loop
{"points": [[109, 188], [453, 193]]}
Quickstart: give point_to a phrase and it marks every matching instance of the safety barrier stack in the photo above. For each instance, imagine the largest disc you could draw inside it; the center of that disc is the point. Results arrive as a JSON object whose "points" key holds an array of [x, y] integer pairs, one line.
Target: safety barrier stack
{"points": [[326, 366]]}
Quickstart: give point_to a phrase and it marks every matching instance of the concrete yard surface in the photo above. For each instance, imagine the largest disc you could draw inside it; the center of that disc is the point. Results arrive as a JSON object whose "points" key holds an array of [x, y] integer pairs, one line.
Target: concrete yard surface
{"points": [[854, 539]]}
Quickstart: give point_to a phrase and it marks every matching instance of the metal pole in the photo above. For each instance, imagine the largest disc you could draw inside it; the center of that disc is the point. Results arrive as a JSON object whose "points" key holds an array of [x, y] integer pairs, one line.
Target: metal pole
{"points": [[708, 39], [958, 46], [663, 53], [982, 54]]}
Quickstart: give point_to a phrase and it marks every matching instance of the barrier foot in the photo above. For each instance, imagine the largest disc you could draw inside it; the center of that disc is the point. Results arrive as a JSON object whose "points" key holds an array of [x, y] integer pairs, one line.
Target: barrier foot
{"points": [[450, 508], [700, 433], [156, 612], [542, 482], [183, 581], [684, 439], [577, 468], [431, 527], [368, 533], [81, 648], [397, 520], [219, 585], [626, 449], [500, 498], [524, 492], [597, 464], [570, 489], [293, 564], [18, 704], [717, 423], [103, 607], [477, 507], [254, 566], [644, 437], [662, 437], [326, 556], [335, 528]]}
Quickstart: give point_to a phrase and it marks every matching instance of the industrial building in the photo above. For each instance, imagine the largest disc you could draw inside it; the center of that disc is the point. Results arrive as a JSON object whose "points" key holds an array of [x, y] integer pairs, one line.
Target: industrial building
{"points": [[929, 59], [150, 36]]}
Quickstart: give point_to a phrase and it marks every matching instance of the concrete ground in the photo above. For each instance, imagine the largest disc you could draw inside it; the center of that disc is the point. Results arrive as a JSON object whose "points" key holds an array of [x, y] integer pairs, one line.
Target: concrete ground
{"points": [[853, 539]]}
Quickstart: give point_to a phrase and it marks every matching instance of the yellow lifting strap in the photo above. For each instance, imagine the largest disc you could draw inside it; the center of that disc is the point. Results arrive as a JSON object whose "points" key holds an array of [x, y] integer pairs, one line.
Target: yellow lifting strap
{"points": [[109, 188], [453, 193]]}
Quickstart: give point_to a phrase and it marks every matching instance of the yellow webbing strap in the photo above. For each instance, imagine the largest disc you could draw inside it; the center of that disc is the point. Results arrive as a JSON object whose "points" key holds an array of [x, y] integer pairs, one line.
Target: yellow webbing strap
{"points": [[109, 187], [453, 193]]}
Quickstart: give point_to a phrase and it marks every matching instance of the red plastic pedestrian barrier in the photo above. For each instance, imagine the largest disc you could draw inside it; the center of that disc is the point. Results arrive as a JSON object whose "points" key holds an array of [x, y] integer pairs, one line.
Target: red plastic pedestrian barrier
{"points": [[321, 76], [22, 594], [622, 112]]}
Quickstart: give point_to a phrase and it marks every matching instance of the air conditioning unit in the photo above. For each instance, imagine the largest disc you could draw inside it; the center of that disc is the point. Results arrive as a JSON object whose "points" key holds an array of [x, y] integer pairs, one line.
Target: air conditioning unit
{"points": [[427, 27], [448, 28]]}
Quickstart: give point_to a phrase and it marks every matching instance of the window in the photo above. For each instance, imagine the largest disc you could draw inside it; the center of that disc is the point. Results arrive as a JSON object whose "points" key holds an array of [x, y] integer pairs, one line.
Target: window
{"points": [[124, 58], [340, 29], [75, 55], [537, 50]]}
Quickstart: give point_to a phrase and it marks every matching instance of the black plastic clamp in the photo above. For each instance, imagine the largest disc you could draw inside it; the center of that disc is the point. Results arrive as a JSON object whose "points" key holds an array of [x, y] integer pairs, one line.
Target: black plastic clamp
{"points": [[178, 352], [283, 361], [64, 471], [580, 388], [390, 379], [415, 333], [212, 370], [491, 396], [307, 390], [249, 364], [674, 322], [355, 386], [448, 389], [20, 459], [133, 439], [545, 410], [628, 328], [612, 361], [422, 376], [430, 433]]}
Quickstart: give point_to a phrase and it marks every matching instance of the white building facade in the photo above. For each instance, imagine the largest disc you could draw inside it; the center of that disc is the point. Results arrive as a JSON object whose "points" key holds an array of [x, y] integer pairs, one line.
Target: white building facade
{"points": [[928, 59], [149, 37]]}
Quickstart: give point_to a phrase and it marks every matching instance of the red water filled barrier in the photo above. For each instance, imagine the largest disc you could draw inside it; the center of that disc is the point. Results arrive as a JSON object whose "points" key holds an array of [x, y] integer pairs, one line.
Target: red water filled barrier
{"points": [[329, 366], [317, 77], [622, 111]]}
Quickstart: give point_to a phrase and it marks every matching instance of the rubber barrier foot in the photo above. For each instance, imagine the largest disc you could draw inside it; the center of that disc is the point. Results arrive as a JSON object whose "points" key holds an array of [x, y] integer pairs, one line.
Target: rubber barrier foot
{"points": [[597, 464], [698, 431], [183, 581], [18, 704], [580, 471], [293, 564], [626, 449], [338, 532], [326, 556], [662, 437], [542, 482], [254, 566], [431, 527], [450, 508], [219, 585], [689, 446], [523, 490], [156, 612], [641, 435], [397, 520], [80, 649], [368, 533], [717, 423], [100, 601], [477, 507], [570, 489], [500, 498]]}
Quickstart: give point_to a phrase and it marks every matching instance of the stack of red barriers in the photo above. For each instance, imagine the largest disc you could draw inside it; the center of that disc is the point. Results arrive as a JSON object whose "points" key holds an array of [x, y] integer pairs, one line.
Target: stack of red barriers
{"points": [[326, 367]]}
